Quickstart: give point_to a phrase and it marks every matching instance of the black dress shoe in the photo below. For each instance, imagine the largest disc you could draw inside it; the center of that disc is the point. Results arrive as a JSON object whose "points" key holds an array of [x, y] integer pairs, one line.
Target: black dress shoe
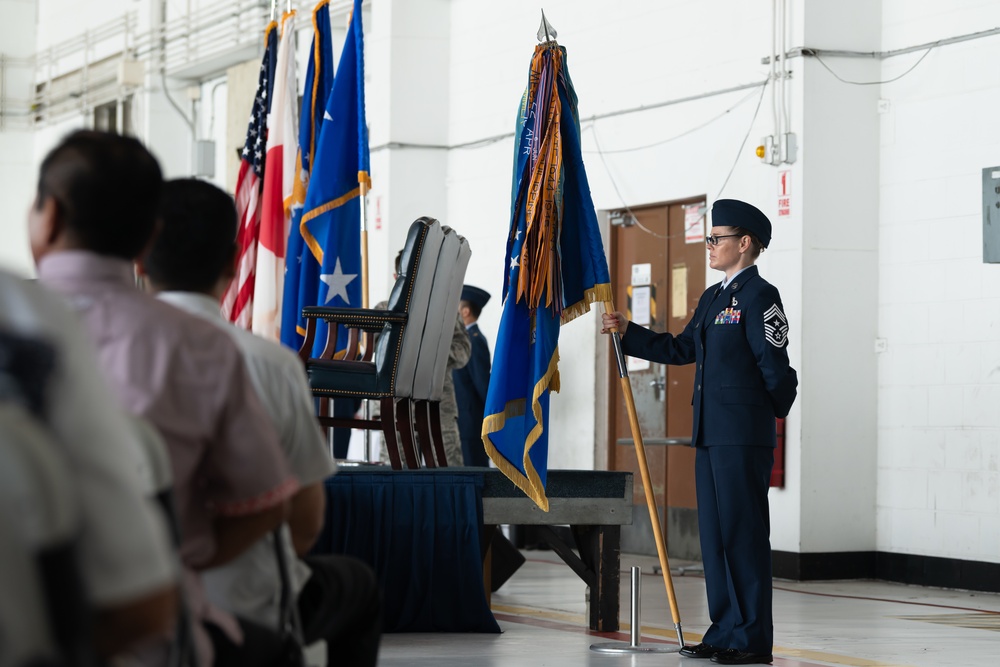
{"points": [[699, 651], [732, 656]]}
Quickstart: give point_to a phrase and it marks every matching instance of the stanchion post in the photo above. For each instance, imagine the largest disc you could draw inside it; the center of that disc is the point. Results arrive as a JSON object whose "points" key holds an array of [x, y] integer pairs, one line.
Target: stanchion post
{"points": [[647, 484]]}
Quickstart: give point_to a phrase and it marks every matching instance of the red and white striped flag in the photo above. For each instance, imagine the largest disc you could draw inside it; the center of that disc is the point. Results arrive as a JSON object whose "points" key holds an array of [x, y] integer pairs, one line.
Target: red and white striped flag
{"points": [[282, 138], [237, 302]]}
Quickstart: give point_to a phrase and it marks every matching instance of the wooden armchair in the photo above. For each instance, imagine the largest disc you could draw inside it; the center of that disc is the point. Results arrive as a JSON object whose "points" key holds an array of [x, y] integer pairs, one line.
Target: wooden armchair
{"points": [[386, 369]]}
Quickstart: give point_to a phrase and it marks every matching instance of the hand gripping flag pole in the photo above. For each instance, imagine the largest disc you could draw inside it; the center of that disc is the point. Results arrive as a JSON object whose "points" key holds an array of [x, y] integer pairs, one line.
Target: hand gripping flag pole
{"points": [[647, 484]]}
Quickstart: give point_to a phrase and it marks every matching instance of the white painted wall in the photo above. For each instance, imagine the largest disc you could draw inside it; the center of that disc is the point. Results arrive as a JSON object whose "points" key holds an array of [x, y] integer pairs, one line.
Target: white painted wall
{"points": [[17, 182], [898, 451], [839, 264], [410, 181], [939, 309]]}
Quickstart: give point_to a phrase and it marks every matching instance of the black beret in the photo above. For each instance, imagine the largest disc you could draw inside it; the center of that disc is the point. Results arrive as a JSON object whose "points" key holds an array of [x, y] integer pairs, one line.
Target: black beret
{"points": [[474, 295], [736, 213]]}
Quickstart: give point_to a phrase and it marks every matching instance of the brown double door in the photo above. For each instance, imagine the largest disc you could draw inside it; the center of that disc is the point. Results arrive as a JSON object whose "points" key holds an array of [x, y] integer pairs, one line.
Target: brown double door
{"points": [[658, 268]]}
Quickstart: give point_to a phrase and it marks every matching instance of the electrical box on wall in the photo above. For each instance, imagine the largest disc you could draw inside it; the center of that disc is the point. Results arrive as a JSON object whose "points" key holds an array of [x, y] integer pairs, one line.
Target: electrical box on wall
{"points": [[778, 149], [991, 215], [204, 158]]}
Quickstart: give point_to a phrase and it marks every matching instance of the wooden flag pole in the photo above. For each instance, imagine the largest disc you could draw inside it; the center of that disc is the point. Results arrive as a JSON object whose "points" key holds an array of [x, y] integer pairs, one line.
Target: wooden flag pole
{"points": [[364, 245], [369, 455], [647, 484]]}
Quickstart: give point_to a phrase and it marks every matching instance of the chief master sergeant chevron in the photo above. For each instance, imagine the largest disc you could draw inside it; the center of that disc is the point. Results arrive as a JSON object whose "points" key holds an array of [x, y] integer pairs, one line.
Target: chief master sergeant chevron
{"points": [[738, 338]]}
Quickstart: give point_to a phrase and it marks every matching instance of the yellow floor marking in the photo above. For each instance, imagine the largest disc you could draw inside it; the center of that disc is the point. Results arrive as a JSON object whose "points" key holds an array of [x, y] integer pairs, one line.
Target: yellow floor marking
{"points": [[781, 651]]}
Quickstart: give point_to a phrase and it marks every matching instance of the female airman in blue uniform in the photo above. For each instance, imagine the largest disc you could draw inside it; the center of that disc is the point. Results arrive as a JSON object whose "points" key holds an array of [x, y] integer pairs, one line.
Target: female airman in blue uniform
{"points": [[738, 340]]}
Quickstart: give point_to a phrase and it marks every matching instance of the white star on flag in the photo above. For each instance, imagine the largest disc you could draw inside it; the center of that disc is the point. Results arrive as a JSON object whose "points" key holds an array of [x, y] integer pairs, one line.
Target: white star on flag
{"points": [[337, 283], [513, 261]]}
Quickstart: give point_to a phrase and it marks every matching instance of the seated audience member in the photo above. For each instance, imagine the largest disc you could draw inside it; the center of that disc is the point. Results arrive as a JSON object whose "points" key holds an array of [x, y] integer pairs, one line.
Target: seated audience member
{"points": [[124, 555], [94, 213], [189, 265]]}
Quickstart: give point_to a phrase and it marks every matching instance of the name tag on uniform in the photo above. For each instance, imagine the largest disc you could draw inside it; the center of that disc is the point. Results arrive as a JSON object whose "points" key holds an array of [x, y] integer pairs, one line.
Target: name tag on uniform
{"points": [[728, 316]]}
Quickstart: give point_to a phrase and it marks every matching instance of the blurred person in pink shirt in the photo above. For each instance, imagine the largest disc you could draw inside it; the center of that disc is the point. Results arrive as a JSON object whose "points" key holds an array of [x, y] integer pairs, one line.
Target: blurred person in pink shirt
{"points": [[94, 213]]}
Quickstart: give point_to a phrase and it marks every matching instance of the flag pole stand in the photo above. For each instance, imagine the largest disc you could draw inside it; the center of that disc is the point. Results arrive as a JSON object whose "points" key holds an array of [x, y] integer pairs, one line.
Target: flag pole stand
{"points": [[635, 634], [647, 484]]}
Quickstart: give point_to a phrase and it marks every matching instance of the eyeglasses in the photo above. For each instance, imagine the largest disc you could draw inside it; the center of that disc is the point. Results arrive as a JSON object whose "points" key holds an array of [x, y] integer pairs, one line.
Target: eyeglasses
{"points": [[714, 240]]}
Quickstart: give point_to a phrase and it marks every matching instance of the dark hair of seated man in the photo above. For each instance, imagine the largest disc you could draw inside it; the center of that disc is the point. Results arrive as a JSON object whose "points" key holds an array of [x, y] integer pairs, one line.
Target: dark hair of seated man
{"points": [[103, 191], [197, 239]]}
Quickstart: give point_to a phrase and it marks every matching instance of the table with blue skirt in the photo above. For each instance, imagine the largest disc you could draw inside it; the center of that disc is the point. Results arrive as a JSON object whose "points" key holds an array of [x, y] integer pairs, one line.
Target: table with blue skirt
{"points": [[421, 532], [426, 534]]}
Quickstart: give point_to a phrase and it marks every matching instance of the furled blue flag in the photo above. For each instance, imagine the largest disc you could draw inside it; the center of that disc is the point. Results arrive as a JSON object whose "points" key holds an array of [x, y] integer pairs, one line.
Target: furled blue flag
{"points": [[555, 268], [329, 273], [300, 290]]}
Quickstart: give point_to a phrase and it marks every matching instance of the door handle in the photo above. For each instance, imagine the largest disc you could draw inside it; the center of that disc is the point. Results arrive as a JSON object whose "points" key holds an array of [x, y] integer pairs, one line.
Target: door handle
{"points": [[659, 383]]}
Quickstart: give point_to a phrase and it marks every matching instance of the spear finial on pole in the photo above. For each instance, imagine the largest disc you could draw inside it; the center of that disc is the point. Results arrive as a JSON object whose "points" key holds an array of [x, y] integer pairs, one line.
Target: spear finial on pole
{"points": [[546, 33]]}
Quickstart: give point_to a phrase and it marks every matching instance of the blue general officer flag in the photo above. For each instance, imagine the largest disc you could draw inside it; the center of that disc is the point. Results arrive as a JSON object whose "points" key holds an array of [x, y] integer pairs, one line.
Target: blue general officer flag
{"points": [[330, 270], [302, 279], [555, 269]]}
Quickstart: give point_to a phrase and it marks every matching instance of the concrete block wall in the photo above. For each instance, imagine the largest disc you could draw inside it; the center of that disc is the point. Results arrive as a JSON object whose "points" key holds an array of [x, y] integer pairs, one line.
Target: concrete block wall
{"points": [[939, 309]]}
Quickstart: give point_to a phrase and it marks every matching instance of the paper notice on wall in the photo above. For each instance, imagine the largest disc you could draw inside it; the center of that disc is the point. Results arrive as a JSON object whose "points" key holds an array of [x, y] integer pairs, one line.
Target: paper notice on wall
{"points": [[642, 274], [679, 291], [694, 223], [635, 365], [640, 305]]}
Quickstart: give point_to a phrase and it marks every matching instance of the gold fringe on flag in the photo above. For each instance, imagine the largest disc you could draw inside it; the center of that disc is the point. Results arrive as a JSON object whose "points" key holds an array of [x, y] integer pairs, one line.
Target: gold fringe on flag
{"points": [[530, 483], [596, 294]]}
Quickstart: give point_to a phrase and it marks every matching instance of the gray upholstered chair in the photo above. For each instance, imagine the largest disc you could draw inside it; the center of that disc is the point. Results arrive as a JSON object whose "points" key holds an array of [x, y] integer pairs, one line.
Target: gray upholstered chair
{"points": [[428, 387]]}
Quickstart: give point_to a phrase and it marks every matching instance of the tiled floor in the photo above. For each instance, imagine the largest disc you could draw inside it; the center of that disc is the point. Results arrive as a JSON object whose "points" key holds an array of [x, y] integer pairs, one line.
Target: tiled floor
{"points": [[858, 623]]}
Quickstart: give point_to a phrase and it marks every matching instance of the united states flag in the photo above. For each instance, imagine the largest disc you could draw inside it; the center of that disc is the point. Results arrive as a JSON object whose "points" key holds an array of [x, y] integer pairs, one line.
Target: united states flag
{"points": [[276, 201], [237, 302]]}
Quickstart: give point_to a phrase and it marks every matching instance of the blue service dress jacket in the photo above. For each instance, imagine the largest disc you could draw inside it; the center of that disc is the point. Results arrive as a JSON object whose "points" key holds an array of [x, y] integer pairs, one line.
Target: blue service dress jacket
{"points": [[471, 384], [738, 338]]}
